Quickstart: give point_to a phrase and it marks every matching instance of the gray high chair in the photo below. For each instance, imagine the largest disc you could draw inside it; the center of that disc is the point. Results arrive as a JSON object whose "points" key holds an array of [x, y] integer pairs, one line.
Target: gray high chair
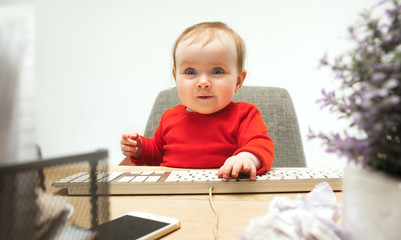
{"points": [[278, 113]]}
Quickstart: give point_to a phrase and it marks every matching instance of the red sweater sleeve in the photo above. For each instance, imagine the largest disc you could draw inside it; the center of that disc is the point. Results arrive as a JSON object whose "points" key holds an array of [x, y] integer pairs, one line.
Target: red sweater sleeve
{"points": [[152, 149], [252, 137], [151, 154]]}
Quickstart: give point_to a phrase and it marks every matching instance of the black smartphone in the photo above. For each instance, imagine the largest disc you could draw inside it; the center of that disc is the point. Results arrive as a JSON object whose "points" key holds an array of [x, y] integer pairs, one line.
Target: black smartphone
{"points": [[138, 225]]}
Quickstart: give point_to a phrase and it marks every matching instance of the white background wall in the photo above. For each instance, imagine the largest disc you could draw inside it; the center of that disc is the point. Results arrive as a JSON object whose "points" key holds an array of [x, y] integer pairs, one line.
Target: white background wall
{"points": [[101, 63]]}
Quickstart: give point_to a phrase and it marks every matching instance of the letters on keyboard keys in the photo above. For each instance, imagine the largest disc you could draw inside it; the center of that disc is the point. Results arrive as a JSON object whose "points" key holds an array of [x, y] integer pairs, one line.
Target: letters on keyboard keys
{"points": [[199, 181]]}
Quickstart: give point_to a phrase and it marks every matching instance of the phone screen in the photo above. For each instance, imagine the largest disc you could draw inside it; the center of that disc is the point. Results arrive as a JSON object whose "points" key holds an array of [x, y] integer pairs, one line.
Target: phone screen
{"points": [[130, 227]]}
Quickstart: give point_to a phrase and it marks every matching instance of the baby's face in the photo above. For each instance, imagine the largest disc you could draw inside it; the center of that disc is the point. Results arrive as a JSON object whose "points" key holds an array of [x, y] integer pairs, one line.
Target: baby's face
{"points": [[207, 75]]}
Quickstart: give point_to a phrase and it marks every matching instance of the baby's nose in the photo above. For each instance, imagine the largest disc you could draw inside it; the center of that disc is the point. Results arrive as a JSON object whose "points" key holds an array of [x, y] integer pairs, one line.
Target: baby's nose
{"points": [[203, 82]]}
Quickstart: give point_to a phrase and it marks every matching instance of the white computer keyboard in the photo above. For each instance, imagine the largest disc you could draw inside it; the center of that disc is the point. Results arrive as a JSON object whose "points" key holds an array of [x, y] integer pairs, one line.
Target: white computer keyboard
{"points": [[199, 181]]}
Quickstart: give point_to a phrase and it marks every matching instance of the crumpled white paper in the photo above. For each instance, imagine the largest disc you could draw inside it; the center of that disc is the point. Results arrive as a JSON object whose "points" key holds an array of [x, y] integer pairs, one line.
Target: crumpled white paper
{"points": [[311, 217]]}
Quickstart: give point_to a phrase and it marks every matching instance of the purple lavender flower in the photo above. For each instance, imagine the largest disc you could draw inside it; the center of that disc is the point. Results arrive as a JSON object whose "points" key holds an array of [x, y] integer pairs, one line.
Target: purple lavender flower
{"points": [[376, 77], [370, 94]]}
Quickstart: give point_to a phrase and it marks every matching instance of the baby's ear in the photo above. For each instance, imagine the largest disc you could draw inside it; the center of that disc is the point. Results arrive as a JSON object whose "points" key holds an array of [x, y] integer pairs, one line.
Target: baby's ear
{"points": [[174, 74], [240, 80]]}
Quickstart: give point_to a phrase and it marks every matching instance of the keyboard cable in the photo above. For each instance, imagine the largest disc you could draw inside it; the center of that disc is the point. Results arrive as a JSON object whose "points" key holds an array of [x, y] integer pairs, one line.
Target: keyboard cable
{"points": [[216, 220]]}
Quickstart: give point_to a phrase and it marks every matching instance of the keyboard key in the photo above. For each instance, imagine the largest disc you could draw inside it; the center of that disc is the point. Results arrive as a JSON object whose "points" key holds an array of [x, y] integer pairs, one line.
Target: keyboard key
{"points": [[81, 178], [112, 176], [333, 176], [304, 177], [186, 179], [319, 176], [125, 179], [139, 179], [289, 177], [261, 178], [152, 179], [67, 179], [275, 178], [216, 179]]}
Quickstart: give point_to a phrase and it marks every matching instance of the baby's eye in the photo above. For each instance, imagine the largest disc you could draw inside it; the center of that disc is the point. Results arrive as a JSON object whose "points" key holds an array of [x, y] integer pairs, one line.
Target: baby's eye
{"points": [[190, 72], [217, 71]]}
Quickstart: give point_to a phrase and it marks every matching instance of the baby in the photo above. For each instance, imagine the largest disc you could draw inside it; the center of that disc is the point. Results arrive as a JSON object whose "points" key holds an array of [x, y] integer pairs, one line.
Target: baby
{"points": [[208, 130]]}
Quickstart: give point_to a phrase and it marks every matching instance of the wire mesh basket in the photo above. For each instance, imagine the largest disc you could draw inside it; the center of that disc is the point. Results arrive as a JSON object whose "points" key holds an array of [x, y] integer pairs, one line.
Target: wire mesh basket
{"points": [[31, 208]]}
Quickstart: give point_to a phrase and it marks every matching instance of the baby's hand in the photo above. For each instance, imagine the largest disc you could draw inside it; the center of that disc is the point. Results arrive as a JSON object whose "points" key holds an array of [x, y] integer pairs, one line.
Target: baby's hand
{"points": [[243, 162], [131, 144]]}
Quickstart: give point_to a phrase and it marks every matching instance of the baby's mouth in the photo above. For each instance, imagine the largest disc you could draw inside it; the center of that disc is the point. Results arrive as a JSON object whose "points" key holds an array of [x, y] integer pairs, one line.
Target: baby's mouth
{"points": [[204, 97]]}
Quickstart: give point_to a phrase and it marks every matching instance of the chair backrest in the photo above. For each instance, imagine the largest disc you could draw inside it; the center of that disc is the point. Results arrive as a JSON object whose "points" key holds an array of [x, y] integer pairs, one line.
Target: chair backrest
{"points": [[278, 113]]}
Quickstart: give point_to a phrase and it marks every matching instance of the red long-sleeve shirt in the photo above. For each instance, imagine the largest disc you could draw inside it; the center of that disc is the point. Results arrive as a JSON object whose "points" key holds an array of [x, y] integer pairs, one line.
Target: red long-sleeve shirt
{"points": [[193, 140]]}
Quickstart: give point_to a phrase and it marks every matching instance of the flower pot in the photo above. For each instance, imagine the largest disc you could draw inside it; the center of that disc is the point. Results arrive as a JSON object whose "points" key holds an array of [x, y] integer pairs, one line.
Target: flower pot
{"points": [[371, 204]]}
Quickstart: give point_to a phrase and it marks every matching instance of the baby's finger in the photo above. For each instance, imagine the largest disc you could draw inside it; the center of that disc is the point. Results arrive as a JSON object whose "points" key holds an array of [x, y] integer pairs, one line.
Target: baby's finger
{"points": [[127, 148], [127, 141], [252, 173], [247, 167], [134, 135], [125, 135], [236, 169], [225, 170]]}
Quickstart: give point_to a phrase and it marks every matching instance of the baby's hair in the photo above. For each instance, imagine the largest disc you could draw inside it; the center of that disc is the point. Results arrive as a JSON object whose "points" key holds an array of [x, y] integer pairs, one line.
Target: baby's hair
{"points": [[214, 30]]}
